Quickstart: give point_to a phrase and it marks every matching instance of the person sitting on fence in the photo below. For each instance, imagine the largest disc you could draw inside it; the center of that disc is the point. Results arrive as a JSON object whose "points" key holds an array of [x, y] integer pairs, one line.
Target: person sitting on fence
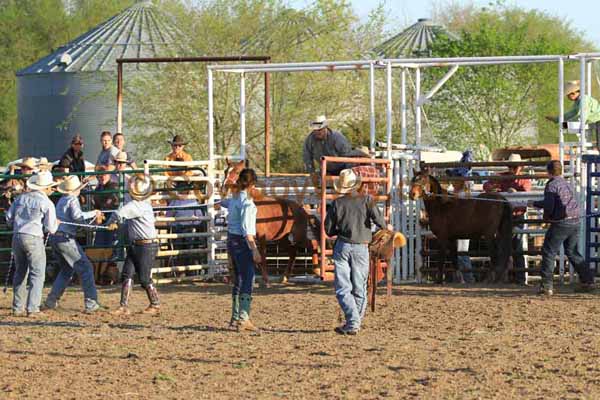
{"points": [[350, 218], [322, 141], [142, 252], [67, 251], [119, 141], [511, 186], [73, 158], [108, 153], [178, 154], [31, 214], [561, 210], [591, 106]]}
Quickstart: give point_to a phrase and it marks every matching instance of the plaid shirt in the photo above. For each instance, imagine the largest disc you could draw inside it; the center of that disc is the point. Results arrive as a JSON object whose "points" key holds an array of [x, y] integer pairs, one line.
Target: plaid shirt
{"points": [[368, 171]]}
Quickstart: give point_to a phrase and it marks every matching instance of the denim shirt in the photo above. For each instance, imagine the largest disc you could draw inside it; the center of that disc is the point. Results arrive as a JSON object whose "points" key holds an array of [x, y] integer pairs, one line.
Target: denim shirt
{"points": [[31, 213], [241, 219], [69, 210], [185, 212], [140, 219], [334, 144]]}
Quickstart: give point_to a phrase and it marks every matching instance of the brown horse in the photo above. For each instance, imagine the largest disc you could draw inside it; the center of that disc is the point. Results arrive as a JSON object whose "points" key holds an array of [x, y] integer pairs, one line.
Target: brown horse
{"points": [[277, 220], [487, 216]]}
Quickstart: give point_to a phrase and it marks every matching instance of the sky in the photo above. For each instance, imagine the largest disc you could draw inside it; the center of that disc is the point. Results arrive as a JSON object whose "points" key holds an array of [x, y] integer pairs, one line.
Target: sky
{"points": [[584, 14]]}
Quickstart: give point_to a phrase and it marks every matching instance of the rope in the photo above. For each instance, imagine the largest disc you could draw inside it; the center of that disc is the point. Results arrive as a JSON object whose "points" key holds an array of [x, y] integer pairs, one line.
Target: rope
{"points": [[84, 225]]}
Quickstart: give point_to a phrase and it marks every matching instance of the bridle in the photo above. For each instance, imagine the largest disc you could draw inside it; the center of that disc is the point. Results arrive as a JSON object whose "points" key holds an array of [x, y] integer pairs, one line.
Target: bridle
{"points": [[425, 188]]}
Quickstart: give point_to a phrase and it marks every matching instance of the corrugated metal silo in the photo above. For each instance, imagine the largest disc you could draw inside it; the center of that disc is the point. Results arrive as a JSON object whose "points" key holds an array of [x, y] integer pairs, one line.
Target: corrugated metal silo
{"points": [[72, 90]]}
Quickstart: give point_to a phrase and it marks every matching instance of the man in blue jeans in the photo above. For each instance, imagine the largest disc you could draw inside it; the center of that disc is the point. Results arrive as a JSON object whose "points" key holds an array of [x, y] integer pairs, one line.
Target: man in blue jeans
{"points": [[70, 255], [349, 218], [561, 210], [29, 215]]}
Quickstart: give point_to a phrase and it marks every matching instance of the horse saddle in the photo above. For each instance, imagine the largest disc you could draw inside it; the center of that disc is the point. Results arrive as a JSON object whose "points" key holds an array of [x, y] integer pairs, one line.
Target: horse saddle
{"points": [[384, 242]]}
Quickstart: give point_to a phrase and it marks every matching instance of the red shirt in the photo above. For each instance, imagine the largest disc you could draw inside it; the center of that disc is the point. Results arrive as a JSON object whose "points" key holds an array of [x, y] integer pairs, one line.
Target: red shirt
{"points": [[520, 185]]}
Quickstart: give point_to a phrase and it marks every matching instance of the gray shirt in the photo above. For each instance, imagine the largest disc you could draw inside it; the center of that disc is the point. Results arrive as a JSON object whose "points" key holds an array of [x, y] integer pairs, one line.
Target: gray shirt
{"points": [[335, 145], [31, 213], [106, 157], [350, 218], [68, 209], [140, 219]]}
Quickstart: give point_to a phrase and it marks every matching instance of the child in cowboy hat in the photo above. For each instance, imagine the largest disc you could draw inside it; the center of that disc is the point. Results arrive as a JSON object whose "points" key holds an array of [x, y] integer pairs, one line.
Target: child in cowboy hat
{"points": [[590, 105], [350, 218], [141, 253], [29, 215], [70, 255]]}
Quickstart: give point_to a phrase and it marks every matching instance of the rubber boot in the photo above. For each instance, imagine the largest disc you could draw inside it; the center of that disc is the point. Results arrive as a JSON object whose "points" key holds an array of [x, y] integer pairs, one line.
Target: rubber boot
{"points": [[124, 303], [154, 307], [235, 311], [245, 324]]}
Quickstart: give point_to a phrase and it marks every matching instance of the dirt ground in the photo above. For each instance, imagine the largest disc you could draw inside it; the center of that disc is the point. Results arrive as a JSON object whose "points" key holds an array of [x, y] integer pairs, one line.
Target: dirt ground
{"points": [[424, 342]]}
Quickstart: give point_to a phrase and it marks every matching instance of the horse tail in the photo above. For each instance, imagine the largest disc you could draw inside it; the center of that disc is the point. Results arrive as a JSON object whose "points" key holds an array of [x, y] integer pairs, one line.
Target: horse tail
{"points": [[505, 232]]}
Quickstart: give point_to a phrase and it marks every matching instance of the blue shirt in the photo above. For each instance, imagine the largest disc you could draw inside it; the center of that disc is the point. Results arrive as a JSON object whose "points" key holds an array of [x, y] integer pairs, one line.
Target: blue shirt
{"points": [[69, 210], [140, 219], [559, 201], [241, 218], [107, 157], [31, 213], [185, 212]]}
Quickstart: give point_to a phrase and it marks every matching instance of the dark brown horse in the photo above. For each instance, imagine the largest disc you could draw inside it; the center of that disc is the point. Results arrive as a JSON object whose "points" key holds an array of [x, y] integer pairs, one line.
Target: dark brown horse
{"points": [[277, 220], [487, 216]]}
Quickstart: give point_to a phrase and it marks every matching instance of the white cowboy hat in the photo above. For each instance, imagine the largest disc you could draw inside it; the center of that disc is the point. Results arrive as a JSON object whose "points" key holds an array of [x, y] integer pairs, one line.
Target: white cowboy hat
{"points": [[140, 187], [121, 157], [319, 123], [571, 87], [43, 164], [515, 157], [347, 181], [70, 184], [41, 181]]}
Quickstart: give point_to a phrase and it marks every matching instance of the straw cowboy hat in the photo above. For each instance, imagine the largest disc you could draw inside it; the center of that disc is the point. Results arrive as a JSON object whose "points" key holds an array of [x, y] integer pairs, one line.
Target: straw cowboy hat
{"points": [[41, 181], [362, 151], [347, 181], [28, 162], [70, 184], [121, 157], [140, 187], [43, 164], [515, 157], [177, 140], [319, 123], [572, 87]]}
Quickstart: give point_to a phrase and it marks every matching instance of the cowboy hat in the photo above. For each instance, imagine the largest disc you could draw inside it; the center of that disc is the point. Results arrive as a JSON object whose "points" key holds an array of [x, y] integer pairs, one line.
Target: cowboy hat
{"points": [[70, 184], [28, 162], [572, 87], [177, 140], [41, 181], [319, 123], [515, 157], [347, 181], [43, 164], [362, 151], [121, 157], [140, 187]]}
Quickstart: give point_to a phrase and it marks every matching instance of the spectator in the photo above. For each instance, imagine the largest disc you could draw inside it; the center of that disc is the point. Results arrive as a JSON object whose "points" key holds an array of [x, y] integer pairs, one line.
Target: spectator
{"points": [[178, 154], [73, 157], [105, 201], [121, 162], [27, 167], [119, 142], [108, 153]]}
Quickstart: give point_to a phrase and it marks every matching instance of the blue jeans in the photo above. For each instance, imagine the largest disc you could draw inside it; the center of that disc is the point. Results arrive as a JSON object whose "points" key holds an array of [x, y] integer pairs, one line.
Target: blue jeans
{"points": [[30, 271], [72, 259], [351, 273], [557, 234], [140, 258], [243, 264]]}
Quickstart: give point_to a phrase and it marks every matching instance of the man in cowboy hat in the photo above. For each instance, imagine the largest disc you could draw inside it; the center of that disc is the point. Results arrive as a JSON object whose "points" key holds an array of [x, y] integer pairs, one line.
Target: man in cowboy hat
{"points": [[322, 141], [29, 215], [121, 162], [177, 154], [144, 243], [73, 157], [108, 153], [350, 218], [68, 252], [119, 142], [590, 105]]}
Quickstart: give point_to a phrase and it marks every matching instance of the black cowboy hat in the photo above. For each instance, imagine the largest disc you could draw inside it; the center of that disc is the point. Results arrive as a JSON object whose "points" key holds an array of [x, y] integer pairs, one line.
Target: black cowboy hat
{"points": [[177, 139]]}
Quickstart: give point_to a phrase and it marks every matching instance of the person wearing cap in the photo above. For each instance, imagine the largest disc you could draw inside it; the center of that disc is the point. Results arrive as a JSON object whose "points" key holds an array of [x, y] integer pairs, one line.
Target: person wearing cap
{"points": [[141, 253], [591, 106], [322, 141], [73, 157], [511, 186], [119, 142], [178, 154], [561, 210], [71, 257], [349, 218], [108, 152], [31, 214]]}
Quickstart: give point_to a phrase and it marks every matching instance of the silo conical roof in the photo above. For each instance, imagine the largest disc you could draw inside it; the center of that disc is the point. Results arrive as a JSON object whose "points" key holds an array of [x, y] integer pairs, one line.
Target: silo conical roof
{"points": [[139, 31], [414, 41]]}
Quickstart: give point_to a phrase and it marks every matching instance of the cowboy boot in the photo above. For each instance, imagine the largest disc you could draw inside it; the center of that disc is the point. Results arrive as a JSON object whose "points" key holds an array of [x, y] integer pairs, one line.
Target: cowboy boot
{"points": [[235, 311], [124, 303], [154, 307], [244, 323]]}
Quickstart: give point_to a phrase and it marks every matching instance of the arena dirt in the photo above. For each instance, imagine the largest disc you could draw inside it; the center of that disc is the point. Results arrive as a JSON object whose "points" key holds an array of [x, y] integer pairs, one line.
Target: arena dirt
{"points": [[424, 342]]}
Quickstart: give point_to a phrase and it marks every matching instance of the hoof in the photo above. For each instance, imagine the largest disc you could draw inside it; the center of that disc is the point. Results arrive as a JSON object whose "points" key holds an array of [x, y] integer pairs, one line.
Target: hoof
{"points": [[284, 280]]}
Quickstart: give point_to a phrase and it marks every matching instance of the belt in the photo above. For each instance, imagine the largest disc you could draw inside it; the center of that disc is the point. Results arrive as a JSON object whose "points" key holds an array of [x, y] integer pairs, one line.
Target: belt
{"points": [[64, 234], [145, 241]]}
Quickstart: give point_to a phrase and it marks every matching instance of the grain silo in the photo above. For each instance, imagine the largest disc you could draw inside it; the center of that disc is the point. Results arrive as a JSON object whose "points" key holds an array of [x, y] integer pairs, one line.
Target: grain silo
{"points": [[73, 89]]}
